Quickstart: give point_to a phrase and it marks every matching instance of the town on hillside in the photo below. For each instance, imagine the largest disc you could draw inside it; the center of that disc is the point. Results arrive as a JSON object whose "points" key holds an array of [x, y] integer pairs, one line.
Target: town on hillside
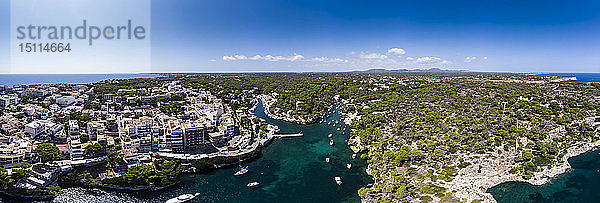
{"points": [[53, 130]]}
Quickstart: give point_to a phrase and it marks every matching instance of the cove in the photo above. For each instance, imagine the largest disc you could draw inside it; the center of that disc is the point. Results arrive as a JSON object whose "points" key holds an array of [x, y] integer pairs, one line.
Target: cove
{"points": [[579, 185], [288, 170]]}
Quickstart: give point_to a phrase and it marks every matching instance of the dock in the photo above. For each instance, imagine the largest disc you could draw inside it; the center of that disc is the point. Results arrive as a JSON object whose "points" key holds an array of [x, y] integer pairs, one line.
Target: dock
{"points": [[289, 135]]}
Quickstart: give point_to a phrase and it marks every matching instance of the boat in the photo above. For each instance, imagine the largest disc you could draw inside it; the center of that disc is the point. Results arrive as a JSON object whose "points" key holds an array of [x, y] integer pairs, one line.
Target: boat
{"points": [[330, 135], [252, 184], [338, 129], [183, 198], [329, 123], [354, 156], [242, 171], [327, 159], [336, 122], [331, 142], [334, 125], [343, 133], [348, 166], [321, 121], [338, 180]]}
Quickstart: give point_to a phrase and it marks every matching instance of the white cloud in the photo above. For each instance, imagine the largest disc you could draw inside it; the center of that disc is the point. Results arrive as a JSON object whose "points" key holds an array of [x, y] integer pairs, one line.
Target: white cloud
{"points": [[329, 60], [229, 58], [470, 59], [212, 60], [296, 57], [485, 57], [396, 51], [429, 59], [240, 57], [256, 57], [363, 59], [364, 55]]}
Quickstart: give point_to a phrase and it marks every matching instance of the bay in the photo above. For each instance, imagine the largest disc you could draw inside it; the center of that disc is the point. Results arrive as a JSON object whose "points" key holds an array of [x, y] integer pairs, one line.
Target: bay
{"points": [[288, 170], [581, 77], [28, 79], [579, 185]]}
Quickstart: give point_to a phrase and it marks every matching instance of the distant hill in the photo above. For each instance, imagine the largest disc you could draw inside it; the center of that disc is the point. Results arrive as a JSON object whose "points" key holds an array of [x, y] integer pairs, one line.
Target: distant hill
{"points": [[431, 70]]}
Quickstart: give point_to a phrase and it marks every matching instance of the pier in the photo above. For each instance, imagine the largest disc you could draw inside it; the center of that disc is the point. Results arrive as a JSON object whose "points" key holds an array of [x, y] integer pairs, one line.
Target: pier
{"points": [[300, 134]]}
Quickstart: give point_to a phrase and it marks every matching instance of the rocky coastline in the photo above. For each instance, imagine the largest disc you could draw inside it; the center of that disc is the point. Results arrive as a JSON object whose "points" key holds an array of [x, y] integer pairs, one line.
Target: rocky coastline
{"points": [[268, 102], [472, 182]]}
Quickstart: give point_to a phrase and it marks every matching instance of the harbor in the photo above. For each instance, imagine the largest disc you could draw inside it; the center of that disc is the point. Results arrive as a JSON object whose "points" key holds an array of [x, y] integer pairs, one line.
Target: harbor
{"points": [[289, 169]]}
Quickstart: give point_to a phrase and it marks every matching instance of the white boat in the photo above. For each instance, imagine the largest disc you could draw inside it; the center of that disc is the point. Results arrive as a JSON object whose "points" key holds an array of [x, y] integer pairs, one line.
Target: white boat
{"points": [[354, 156], [330, 135], [242, 171], [252, 184], [343, 133], [183, 198], [338, 180], [338, 129], [331, 142], [327, 159], [334, 125], [329, 123], [336, 122], [348, 166]]}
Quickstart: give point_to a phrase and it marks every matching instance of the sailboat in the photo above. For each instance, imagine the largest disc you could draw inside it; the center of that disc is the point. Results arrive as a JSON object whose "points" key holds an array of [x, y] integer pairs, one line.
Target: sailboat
{"points": [[183, 198], [242, 171], [338, 180], [252, 184]]}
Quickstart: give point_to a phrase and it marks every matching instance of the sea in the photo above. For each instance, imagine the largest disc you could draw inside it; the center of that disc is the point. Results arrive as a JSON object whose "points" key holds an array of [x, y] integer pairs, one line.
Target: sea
{"points": [[581, 77], [288, 170], [28, 79], [294, 170], [582, 184]]}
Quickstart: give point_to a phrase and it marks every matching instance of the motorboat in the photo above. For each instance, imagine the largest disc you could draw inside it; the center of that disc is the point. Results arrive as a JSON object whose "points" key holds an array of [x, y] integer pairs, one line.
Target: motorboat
{"points": [[327, 159], [242, 171], [348, 166], [331, 142], [338, 180], [354, 156], [330, 135], [252, 184], [183, 198], [338, 129]]}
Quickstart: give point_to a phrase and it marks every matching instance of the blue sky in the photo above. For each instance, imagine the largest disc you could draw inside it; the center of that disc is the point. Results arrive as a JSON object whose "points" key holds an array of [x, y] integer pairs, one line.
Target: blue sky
{"points": [[269, 35]]}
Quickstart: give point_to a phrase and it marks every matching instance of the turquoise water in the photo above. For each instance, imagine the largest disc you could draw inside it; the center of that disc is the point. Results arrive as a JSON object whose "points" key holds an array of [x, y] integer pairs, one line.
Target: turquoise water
{"points": [[581, 77], [26, 79], [579, 185], [289, 170]]}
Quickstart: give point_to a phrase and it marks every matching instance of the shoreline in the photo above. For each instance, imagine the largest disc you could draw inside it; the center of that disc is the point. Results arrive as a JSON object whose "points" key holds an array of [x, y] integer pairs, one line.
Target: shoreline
{"points": [[471, 187], [267, 101]]}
